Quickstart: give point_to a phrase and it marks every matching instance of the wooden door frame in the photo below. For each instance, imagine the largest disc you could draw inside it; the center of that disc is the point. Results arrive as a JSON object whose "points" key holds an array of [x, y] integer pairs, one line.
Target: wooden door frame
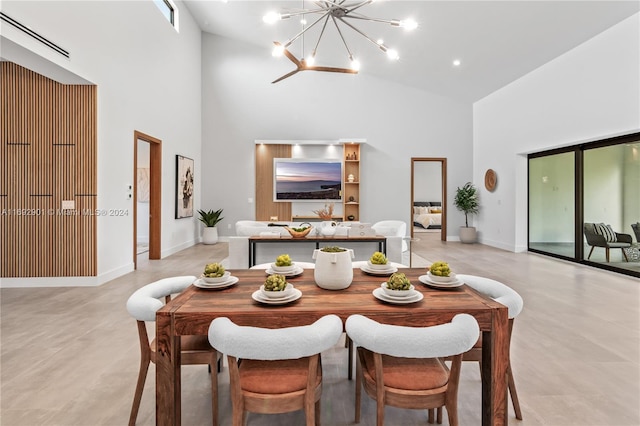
{"points": [[443, 163], [155, 196]]}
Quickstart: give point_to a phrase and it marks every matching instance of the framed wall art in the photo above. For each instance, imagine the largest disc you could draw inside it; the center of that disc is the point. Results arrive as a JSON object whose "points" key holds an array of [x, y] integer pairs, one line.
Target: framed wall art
{"points": [[184, 187]]}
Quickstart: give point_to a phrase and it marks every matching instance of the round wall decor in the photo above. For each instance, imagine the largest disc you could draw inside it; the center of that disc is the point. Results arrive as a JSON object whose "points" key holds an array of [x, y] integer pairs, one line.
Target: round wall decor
{"points": [[490, 180]]}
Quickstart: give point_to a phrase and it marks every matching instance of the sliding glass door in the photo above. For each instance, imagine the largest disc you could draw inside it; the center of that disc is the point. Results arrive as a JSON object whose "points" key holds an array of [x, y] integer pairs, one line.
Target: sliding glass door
{"points": [[552, 204], [612, 197], [584, 202]]}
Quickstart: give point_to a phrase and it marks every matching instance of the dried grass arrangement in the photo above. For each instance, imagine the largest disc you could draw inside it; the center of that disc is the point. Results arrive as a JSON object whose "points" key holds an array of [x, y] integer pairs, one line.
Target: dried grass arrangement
{"points": [[326, 213]]}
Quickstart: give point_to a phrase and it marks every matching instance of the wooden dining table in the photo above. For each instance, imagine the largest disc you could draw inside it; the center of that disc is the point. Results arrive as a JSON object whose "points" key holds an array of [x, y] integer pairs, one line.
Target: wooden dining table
{"points": [[191, 313]]}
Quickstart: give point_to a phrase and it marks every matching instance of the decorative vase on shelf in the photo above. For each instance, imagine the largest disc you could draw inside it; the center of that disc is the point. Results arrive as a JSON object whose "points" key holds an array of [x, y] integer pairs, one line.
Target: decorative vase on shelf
{"points": [[351, 178]]}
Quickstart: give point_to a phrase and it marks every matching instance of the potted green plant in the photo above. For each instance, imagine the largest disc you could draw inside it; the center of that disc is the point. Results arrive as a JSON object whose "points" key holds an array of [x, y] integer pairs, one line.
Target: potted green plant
{"points": [[210, 219], [466, 200]]}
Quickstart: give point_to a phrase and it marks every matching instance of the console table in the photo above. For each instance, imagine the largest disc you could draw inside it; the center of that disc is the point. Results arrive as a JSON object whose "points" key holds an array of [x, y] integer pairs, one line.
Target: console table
{"points": [[255, 240]]}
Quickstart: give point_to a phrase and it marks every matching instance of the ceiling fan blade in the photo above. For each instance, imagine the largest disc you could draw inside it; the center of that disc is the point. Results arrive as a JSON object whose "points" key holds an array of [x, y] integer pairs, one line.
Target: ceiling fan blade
{"points": [[287, 75]]}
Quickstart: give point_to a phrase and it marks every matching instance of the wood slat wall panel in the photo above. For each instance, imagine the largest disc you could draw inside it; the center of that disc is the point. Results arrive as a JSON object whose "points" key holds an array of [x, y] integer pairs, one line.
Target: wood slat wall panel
{"points": [[265, 206], [48, 141]]}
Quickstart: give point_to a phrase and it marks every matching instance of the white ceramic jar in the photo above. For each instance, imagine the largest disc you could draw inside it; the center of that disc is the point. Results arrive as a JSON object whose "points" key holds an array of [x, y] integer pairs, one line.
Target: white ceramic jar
{"points": [[333, 270], [328, 228]]}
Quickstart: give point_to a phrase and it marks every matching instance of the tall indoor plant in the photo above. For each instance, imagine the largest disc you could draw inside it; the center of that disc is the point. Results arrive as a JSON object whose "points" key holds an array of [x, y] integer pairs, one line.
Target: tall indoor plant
{"points": [[466, 200], [210, 219]]}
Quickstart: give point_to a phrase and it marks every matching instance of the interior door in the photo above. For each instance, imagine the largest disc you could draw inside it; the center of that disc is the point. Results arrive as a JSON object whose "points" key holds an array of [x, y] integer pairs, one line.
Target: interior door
{"points": [[149, 150], [429, 186]]}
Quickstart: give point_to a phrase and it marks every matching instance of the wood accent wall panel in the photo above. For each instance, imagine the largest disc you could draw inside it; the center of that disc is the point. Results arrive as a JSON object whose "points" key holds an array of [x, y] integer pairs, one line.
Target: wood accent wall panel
{"points": [[265, 206], [48, 142]]}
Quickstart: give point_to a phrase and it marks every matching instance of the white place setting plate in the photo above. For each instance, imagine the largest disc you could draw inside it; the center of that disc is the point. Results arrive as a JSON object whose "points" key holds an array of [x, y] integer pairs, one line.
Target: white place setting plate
{"points": [[259, 297], [379, 272], [379, 294], [424, 279], [228, 283], [297, 270]]}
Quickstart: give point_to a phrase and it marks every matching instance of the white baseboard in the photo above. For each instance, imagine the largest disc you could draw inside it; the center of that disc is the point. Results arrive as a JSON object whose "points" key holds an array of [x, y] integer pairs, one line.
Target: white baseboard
{"points": [[34, 282], [497, 244], [175, 249]]}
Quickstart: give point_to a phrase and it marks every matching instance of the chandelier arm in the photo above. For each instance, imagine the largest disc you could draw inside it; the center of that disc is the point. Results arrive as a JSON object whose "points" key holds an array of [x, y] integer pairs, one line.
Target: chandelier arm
{"points": [[320, 36], [358, 31], [367, 18], [302, 12], [341, 36], [324, 4], [357, 6], [288, 43]]}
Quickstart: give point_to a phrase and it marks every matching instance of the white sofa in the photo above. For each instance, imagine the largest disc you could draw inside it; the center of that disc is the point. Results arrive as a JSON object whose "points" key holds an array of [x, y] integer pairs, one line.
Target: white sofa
{"points": [[265, 253]]}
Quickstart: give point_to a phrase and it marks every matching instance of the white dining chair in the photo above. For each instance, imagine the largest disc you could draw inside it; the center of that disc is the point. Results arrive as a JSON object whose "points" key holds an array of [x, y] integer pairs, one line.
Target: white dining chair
{"points": [[275, 370], [404, 366], [505, 295], [142, 305]]}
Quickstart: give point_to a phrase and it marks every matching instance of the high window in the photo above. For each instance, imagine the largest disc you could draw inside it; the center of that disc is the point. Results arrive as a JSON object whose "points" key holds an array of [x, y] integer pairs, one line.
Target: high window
{"points": [[168, 10]]}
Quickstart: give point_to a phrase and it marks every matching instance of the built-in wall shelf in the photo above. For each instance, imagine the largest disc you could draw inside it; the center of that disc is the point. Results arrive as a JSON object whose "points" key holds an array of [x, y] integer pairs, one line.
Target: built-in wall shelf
{"points": [[267, 150], [351, 192]]}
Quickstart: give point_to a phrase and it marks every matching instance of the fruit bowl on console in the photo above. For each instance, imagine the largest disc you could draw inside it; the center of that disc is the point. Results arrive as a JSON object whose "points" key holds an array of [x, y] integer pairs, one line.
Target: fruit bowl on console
{"points": [[298, 232]]}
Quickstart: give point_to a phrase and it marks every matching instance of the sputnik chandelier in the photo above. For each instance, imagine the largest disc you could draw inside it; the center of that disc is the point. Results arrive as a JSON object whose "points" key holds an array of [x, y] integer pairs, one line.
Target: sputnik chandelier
{"points": [[336, 12]]}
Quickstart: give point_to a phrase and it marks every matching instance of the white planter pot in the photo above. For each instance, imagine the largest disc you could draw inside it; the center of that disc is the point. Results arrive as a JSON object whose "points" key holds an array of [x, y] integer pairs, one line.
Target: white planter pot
{"points": [[334, 270], [210, 235], [468, 235]]}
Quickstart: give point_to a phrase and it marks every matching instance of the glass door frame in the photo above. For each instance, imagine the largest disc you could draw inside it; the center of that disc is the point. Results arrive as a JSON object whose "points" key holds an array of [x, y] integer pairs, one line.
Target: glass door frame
{"points": [[578, 151]]}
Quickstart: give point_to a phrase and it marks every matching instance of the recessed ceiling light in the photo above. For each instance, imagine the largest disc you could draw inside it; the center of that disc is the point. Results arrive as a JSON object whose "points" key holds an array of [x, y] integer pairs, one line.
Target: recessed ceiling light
{"points": [[456, 62]]}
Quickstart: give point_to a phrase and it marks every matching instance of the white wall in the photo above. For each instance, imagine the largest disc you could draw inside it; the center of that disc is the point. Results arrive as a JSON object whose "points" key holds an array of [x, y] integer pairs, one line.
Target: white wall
{"points": [[148, 78], [589, 93], [427, 181], [398, 122]]}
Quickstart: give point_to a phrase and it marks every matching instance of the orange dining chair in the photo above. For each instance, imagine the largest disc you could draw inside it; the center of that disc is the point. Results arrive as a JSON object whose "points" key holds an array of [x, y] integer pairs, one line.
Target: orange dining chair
{"points": [[275, 370], [404, 366], [142, 305]]}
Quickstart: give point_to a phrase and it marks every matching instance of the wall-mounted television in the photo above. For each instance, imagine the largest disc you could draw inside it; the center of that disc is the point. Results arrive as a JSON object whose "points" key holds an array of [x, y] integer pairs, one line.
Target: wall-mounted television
{"points": [[298, 179]]}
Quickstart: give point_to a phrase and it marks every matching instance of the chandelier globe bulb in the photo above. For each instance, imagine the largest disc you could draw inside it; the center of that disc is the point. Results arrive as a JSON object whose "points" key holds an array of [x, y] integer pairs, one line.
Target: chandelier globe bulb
{"points": [[278, 50]]}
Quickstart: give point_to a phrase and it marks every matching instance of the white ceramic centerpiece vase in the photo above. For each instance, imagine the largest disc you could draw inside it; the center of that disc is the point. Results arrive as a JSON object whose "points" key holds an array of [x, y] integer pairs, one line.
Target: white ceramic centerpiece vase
{"points": [[333, 270]]}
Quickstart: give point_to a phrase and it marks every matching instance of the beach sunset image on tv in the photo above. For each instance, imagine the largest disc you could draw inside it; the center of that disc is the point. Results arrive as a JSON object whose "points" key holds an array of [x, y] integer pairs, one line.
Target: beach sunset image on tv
{"points": [[307, 180]]}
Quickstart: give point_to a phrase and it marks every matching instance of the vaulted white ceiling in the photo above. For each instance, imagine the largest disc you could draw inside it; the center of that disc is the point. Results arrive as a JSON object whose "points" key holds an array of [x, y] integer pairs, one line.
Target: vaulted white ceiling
{"points": [[497, 42]]}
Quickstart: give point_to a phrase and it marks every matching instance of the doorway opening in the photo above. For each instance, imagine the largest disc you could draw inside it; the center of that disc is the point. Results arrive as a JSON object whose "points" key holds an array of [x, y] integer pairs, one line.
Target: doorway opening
{"points": [[147, 184], [428, 197]]}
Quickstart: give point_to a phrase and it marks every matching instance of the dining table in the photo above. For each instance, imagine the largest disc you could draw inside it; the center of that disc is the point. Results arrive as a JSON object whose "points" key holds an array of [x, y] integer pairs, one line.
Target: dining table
{"points": [[191, 313]]}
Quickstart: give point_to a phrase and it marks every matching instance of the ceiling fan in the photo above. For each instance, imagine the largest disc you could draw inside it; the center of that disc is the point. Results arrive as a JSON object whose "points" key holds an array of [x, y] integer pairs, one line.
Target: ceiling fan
{"points": [[301, 65]]}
